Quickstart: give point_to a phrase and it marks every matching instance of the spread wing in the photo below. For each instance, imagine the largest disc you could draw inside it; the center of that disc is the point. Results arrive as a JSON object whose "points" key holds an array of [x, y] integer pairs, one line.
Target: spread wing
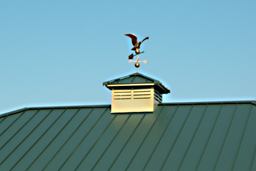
{"points": [[144, 39], [133, 37]]}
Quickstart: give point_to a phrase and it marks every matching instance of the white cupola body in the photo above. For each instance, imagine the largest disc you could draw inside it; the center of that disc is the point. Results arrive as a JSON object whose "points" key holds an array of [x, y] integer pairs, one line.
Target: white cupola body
{"points": [[135, 93]]}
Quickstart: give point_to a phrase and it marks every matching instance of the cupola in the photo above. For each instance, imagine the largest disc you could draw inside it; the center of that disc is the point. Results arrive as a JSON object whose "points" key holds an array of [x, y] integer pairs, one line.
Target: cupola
{"points": [[135, 93]]}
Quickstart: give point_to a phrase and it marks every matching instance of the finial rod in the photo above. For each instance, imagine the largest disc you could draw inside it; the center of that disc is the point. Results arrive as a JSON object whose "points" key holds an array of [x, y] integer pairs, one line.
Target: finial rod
{"points": [[137, 62]]}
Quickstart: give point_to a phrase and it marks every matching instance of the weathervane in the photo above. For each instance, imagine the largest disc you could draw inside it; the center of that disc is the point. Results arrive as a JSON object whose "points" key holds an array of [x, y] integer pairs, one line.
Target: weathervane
{"points": [[136, 48]]}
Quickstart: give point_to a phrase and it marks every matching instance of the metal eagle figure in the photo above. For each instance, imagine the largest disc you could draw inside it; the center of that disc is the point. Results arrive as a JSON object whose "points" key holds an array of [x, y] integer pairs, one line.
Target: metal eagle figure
{"points": [[136, 44]]}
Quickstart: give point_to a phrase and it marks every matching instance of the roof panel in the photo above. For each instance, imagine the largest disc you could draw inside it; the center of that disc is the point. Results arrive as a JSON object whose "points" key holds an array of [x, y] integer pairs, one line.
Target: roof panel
{"points": [[61, 139], [196, 148], [88, 118], [253, 165], [129, 151], [13, 130], [27, 149], [150, 143], [88, 140], [1, 119], [161, 152], [8, 122], [49, 137], [12, 149], [247, 148], [91, 116], [234, 136], [117, 145], [216, 141], [184, 138], [96, 151], [181, 136]]}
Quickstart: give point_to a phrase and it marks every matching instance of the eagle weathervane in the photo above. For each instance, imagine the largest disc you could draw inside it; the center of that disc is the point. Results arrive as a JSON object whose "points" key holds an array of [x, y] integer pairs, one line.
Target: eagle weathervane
{"points": [[136, 48]]}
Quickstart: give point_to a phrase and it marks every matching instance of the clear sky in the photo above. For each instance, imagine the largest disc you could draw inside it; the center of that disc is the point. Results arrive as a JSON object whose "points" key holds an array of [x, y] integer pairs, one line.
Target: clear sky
{"points": [[57, 53]]}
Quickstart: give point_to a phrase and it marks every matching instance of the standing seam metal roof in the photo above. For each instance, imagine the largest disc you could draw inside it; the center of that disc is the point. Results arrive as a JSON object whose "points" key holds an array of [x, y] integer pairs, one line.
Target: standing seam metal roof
{"points": [[176, 136]]}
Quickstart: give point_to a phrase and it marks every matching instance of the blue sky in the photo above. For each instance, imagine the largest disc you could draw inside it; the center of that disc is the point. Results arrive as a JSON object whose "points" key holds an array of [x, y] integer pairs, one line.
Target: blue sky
{"points": [[56, 53]]}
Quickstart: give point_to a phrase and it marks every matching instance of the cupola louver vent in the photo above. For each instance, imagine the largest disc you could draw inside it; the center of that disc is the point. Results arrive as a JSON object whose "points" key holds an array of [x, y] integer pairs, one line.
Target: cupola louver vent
{"points": [[132, 94], [141, 94], [123, 95], [158, 96]]}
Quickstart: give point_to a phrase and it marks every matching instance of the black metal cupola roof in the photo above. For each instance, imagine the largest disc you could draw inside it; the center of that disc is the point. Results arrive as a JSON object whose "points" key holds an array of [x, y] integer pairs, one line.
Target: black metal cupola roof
{"points": [[135, 80]]}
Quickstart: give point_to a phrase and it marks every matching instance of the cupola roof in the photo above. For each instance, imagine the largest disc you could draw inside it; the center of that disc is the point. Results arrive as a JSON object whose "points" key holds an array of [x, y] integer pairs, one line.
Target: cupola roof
{"points": [[136, 79]]}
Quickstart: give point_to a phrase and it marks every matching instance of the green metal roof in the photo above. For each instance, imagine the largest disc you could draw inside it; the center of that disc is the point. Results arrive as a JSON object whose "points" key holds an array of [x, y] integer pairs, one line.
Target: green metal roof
{"points": [[138, 78], [176, 136]]}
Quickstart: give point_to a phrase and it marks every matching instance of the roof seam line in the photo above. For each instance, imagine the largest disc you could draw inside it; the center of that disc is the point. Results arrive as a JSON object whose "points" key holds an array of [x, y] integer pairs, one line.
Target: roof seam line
{"points": [[193, 136], [28, 135], [65, 141], [87, 135], [69, 137], [253, 159], [225, 137], [40, 138], [160, 138], [127, 141], [110, 142], [79, 142], [2, 119], [58, 134], [18, 131], [133, 79], [33, 144], [209, 138], [12, 123], [12, 137], [242, 137], [176, 138], [144, 138], [99, 137]]}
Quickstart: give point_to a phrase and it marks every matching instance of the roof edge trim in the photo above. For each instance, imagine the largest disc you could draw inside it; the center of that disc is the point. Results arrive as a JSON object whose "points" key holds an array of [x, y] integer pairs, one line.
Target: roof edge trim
{"points": [[209, 102], [253, 102], [13, 112], [129, 85], [51, 107]]}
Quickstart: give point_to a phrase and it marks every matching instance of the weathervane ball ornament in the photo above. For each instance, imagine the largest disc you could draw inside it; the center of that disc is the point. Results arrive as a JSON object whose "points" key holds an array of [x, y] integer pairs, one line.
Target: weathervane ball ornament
{"points": [[136, 48]]}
